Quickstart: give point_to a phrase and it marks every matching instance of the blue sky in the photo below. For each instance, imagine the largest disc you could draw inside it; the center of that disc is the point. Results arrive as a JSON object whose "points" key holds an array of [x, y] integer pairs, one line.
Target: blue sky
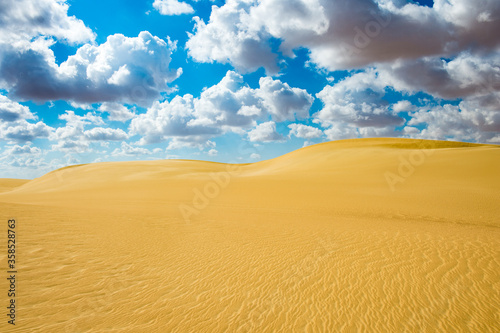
{"points": [[238, 80]]}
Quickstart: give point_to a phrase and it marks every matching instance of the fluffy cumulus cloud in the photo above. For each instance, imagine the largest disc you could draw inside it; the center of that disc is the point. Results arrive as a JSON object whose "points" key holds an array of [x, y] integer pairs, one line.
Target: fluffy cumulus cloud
{"points": [[343, 34], [255, 156], [228, 38], [23, 20], [284, 102], [117, 112], [22, 157], [125, 69], [171, 120], [464, 122], [105, 134], [172, 7], [304, 132], [22, 150], [472, 80], [11, 111], [356, 105], [229, 106], [461, 77], [265, 132], [129, 150], [18, 124], [74, 137], [450, 51], [23, 131]]}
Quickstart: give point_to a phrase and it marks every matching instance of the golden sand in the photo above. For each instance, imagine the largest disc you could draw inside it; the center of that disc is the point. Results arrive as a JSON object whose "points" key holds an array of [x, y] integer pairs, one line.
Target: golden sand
{"points": [[377, 235]]}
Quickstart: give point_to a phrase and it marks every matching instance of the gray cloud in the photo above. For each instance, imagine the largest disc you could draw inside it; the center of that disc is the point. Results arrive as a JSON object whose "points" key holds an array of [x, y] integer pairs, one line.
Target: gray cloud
{"points": [[463, 76], [344, 34]]}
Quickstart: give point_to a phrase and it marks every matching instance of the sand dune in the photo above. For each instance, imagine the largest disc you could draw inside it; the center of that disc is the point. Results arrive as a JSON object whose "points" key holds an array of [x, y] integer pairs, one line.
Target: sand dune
{"points": [[10, 184], [378, 235]]}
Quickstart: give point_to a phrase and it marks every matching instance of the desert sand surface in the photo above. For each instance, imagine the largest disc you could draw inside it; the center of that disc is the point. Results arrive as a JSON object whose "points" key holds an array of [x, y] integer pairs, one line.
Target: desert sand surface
{"points": [[7, 184], [367, 235]]}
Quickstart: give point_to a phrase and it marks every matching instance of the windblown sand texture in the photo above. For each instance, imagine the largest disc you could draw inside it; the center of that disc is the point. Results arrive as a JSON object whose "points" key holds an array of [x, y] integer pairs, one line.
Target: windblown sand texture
{"points": [[316, 240]]}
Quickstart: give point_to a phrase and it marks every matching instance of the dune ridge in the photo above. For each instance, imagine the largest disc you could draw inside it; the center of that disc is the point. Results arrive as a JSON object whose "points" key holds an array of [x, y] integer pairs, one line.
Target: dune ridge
{"points": [[352, 235]]}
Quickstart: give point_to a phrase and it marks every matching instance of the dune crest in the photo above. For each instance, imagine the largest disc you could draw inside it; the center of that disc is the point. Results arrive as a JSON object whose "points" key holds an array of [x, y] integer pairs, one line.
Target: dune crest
{"points": [[353, 235]]}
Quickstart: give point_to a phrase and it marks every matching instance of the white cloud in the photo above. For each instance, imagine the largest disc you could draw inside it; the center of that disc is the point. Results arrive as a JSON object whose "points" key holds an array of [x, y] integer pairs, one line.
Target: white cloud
{"points": [[22, 150], [11, 111], [229, 106], [22, 161], [339, 131], [196, 142], [73, 119], [463, 76], [356, 102], [26, 19], [340, 34], [355, 106], [131, 70], [229, 38], [128, 150], [449, 51], [463, 122], [255, 156], [170, 120], [120, 76], [495, 140], [307, 143], [71, 137], [304, 132], [172, 7], [117, 112], [213, 152], [284, 102], [105, 134], [226, 105], [265, 132], [23, 131], [403, 106], [441, 123], [10, 162], [15, 127], [71, 146]]}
